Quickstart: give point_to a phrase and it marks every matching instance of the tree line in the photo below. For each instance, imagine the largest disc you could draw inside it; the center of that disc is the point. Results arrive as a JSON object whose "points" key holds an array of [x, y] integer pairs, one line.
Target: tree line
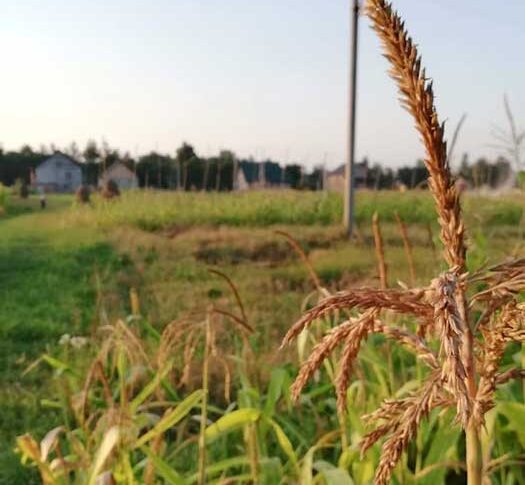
{"points": [[185, 170]]}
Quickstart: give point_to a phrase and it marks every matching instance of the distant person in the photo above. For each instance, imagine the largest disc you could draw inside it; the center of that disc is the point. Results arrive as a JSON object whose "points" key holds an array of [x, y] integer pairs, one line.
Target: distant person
{"points": [[43, 201]]}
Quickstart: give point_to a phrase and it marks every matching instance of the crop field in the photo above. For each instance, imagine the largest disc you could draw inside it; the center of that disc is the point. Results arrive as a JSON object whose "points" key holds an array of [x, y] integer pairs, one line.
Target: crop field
{"points": [[219, 338], [132, 277]]}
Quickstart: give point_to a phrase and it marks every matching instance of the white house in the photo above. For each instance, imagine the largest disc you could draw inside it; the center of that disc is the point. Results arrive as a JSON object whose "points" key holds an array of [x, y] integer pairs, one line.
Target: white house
{"points": [[240, 182], [335, 180], [121, 175], [58, 173]]}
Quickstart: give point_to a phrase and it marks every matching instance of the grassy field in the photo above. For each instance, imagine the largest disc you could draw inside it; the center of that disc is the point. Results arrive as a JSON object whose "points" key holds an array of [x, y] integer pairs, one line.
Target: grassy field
{"points": [[49, 277], [69, 269], [150, 210]]}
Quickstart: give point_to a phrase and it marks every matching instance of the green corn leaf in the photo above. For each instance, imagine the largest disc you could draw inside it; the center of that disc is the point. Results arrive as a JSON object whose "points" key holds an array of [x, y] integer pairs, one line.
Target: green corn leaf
{"points": [[442, 447], [150, 387], [171, 419], [231, 421], [284, 443], [275, 389], [515, 413], [221, 466]]}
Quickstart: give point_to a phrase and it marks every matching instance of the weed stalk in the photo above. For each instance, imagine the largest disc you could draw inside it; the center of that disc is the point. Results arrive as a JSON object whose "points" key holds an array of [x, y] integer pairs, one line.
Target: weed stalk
{"points": [[204, 406]]}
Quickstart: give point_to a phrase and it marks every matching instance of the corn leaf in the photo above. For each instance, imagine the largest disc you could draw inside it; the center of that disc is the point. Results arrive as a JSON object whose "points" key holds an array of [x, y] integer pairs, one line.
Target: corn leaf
{"points": [[171, 418], [284, 443], [221, 466], [275, 389], [150, 387], [515, 413], [231, 421], [109, 442]]}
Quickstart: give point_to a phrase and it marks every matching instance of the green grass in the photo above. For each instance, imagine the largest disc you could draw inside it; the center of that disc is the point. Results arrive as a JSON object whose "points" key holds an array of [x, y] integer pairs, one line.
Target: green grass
{"points": [[63, 268], [4, 199], [48, 280]]}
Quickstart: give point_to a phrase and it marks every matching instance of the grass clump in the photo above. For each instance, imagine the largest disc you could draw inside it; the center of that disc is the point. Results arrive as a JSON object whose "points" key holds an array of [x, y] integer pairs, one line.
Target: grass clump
{"points": [[4, 199]]}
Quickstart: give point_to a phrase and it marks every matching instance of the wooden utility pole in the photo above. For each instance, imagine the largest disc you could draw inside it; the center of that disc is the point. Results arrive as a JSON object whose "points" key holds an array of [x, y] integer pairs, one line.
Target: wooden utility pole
{"points": [[262, 175], [235, 174], [348, 216]]}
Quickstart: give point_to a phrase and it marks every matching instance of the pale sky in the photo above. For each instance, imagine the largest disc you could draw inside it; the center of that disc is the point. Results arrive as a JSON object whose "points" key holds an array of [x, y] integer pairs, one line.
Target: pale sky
{"points": [[261, 77]]}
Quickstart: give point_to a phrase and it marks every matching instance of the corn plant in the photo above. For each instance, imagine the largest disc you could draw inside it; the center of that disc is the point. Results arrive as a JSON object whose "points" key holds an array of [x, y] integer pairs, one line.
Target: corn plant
{"points": [[463, 321]]}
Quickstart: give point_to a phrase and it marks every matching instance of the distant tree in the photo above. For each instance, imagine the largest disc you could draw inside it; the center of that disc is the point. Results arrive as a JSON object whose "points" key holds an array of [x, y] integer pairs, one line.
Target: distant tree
{"points": [[26, 151], [185, 159], [412, 177], [226, 166], [273, 172], [373, 177], [108, 155], [314, 180], [18, 164], [91, 156], [185, 152], [481, 172], [155, 170], [73, 151], [91, 153], [293, 175], [250, 169], [503, 172], [465, 171]]}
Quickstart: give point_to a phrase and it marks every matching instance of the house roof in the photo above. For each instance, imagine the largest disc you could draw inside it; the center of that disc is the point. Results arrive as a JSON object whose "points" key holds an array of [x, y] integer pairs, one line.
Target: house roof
{"points": [[360, 167], [121, 166], [338, 171], [67, 157]]}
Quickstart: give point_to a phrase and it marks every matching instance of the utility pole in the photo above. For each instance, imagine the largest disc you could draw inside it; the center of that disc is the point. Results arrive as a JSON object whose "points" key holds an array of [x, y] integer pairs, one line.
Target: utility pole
{"points": [[235, 172], [348, 216]]}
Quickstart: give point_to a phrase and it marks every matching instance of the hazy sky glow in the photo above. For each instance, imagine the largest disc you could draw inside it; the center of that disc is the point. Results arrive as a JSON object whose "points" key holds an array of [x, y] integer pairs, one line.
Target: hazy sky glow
{"points": [[263, 77]]}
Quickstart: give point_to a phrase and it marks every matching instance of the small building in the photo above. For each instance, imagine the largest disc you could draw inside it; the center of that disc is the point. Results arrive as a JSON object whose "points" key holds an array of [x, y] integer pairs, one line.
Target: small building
{"points": [[335, 180], [251, 175], [239, 181], [58, 173], [124, 177]]}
